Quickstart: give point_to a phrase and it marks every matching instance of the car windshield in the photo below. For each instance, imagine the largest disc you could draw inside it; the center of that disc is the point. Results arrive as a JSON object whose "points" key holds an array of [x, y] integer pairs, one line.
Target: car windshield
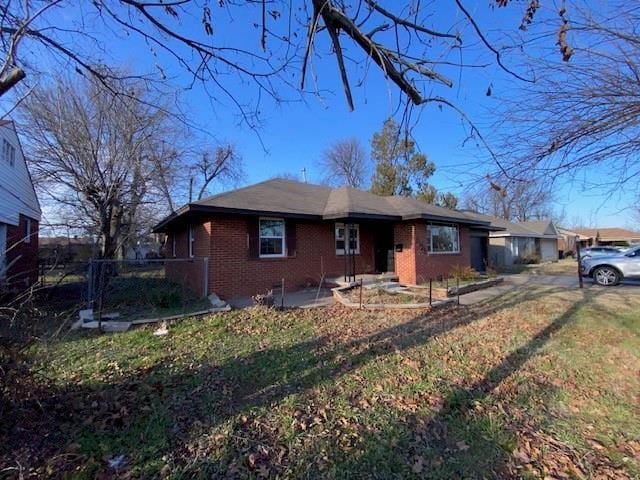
{"points": [[632, 251]]}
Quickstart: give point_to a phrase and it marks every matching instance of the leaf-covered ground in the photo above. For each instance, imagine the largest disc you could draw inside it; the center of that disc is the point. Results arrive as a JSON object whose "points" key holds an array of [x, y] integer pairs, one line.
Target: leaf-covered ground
{"points": [[542, 383]]}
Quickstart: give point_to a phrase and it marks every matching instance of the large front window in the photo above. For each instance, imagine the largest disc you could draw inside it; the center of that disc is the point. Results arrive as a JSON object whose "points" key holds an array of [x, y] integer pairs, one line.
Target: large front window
{"points": [[353, 246], [443, 239], [271, 237]]}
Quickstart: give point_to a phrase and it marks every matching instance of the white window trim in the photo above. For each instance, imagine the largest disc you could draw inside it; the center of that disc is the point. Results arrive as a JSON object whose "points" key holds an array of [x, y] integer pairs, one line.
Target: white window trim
{"points": [[452, 252], [354, 226], [8, 152], [191, 240], [173, 243], [260, 237], [27, 237]]}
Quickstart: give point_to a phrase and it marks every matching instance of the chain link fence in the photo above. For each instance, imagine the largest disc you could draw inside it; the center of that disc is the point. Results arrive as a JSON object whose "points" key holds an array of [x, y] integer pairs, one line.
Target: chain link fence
{"points": [[144, 289]]}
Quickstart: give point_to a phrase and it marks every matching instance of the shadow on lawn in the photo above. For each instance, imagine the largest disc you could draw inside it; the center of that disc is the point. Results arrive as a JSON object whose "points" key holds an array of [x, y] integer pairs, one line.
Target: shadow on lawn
{"points": [[159, 412], [461, 442]]}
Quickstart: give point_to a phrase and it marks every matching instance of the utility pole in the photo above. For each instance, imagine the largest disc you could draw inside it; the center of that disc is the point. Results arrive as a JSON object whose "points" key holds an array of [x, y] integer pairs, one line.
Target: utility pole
{"points": [[579, 261]]}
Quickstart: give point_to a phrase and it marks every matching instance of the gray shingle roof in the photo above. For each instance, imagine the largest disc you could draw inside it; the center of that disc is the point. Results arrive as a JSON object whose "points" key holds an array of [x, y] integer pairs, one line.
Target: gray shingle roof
{"points": [[277, 195], [535, 228], [287, 197]]}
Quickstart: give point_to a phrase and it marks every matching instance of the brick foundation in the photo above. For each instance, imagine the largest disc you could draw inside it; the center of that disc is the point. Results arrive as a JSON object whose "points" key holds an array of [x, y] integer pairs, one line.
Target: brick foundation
{"points": [[22, 256]]}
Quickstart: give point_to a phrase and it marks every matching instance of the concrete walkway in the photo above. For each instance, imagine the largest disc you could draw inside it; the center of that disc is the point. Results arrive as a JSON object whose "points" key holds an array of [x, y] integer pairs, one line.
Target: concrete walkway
{"points": [[522, 280], [307, 298], [517, 281]]}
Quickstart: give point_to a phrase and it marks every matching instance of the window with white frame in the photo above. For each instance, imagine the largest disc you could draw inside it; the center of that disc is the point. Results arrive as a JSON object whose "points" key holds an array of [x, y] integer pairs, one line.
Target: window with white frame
{"points": [[27, 230], [272, 237], [173, 244], [443, 239], [191, 241], [353, 246], [8, 153]]}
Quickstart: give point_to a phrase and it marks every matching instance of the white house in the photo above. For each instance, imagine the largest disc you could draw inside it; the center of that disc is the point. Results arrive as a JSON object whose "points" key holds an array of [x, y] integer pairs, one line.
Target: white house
{"points": [[19, 212]]}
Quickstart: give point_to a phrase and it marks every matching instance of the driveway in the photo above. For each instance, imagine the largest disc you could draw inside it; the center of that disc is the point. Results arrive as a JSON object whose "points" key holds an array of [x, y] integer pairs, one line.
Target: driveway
{"points": [[522, 280]]}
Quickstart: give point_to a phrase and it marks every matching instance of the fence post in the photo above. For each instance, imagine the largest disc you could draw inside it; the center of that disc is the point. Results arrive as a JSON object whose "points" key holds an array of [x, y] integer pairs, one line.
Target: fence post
{"points": [[430, 280], [361, 294], [580, 281], [90, 285], [458, 289]]}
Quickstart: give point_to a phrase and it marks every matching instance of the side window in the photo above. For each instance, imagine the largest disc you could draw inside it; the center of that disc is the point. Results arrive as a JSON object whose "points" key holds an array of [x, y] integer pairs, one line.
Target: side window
{"points": [[191, 241], [27, 231], [8, 153], [272, 236]]}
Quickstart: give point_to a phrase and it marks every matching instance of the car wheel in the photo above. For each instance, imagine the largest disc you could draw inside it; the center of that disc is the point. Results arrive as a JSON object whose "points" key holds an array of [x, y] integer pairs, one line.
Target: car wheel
{"points": [[606, 276]]}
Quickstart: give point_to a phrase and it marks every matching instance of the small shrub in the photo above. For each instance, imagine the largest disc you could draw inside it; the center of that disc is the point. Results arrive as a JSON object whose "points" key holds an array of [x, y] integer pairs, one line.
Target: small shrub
{"points": [[527, 260], [463, 273], [264, 299], [166, 298]]}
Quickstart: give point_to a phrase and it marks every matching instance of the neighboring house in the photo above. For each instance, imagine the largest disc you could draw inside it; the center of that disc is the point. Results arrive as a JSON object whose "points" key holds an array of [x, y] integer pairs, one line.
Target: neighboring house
{"points": [[567, 242], [19, 213], [144, 248], [607, 236], [521, 242], [255, 236]]}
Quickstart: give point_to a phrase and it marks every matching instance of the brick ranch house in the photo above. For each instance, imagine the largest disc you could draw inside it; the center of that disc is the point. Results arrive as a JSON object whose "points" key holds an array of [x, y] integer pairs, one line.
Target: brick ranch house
{"points": [[19, 214], [255, 236]]}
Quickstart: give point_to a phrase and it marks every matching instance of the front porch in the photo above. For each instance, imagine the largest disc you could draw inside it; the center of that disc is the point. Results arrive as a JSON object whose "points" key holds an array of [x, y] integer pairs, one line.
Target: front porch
{"points": [[366, 251]]}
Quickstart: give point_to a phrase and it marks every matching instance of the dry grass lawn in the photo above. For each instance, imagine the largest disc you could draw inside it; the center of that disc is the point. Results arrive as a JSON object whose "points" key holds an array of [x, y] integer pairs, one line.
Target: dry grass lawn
{"points": [[541, 383]]}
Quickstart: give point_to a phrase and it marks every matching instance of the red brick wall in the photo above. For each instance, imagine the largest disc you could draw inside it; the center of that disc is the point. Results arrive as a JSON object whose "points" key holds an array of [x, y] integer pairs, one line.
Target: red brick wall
{"points": [[232, 273], [414, 265], [405, 261], [435, 265], [24, 272], [185, 271]]}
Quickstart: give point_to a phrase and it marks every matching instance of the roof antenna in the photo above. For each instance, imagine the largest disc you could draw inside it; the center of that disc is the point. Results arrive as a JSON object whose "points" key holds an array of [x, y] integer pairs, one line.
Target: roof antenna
{"points": [[304, 174]]}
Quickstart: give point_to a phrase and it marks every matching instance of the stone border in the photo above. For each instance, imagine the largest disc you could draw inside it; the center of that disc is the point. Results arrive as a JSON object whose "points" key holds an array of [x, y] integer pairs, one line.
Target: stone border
{"points": [[340, 298], [114, 326], [472, 287]]}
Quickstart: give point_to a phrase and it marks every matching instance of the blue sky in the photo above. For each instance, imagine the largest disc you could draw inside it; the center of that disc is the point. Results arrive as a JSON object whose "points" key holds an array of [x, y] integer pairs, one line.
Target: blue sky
{"points": [[294, 134]]}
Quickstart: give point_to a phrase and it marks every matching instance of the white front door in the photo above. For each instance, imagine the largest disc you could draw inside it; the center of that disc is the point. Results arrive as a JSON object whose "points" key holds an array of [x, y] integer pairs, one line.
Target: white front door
{"points": [[3, 249]]}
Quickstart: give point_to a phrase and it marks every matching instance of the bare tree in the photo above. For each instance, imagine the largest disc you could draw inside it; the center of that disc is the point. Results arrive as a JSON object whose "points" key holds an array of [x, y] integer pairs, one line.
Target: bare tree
{"points": [[518, 201], [403, 42], [345, 164], [583, 112], [94, 153], [224, 165]]}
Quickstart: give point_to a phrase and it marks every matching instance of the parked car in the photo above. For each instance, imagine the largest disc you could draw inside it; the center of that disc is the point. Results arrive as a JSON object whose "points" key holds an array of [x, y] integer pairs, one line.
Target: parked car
{"points": [[609, 270], [599, 252]]}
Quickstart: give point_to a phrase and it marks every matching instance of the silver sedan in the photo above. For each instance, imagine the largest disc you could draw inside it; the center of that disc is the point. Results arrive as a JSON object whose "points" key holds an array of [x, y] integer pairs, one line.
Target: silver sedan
{"points": [[609, 270]]}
